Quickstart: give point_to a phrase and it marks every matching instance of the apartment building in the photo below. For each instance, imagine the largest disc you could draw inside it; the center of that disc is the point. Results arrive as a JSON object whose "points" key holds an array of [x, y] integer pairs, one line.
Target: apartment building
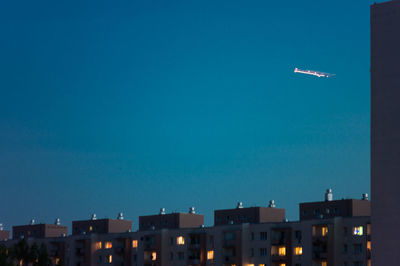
{"points": [[4, 234], [329, 232]]}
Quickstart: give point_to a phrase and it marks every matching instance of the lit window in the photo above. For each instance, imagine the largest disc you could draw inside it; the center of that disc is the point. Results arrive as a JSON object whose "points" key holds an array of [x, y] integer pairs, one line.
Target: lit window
{"points": [[180, 240], [90, 228], [369, 245], [324, 263], [262, 264], [282, 264], [250, 264], [358, 231], [108, 245], [324, 231], [210, 254], [282, 251], [153, 256], [368, 229], [109, 258], [298, 250], [134, 243], [98, 245]]}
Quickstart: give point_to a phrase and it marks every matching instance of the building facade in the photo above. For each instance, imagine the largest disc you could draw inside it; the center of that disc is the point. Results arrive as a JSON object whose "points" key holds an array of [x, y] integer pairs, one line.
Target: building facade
{"points": [[385, 131], [341, 238]]}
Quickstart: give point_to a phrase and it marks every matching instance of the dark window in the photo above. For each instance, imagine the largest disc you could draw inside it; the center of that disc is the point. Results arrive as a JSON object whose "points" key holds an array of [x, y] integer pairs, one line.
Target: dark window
{"points": [[263, 235], [181, 255], [263, 252]]}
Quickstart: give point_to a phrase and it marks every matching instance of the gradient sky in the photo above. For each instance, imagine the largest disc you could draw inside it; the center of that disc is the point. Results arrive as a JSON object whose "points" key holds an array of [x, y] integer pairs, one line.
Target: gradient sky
{"points": [[110, 106]]}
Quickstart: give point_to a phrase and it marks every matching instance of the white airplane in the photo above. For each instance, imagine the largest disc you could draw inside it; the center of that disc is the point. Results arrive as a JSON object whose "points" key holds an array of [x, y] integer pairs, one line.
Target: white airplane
{"points": [[313, 73]]}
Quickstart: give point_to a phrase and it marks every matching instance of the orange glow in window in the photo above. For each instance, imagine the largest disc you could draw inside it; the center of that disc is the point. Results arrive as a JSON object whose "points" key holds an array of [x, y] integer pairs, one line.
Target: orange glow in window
{"points": [[298, 250], [210, 254], [180, 240], [134, 243], [282, 251], [324, 231], [108, 245]]}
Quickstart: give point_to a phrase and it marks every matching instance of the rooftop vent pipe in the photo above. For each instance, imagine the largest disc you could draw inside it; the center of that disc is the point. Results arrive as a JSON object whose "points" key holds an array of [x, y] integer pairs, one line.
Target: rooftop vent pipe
{"points": [[328, 195], [162, 211], [272, 204]]}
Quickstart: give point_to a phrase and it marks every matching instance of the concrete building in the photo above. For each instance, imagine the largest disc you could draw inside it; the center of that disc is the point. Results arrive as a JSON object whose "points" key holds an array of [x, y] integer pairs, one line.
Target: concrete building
{"points": [[342, 239], [33, 230], [335, 208], [242, 215], [101, 226], [171, 220], [385, 132], [4, 235]]}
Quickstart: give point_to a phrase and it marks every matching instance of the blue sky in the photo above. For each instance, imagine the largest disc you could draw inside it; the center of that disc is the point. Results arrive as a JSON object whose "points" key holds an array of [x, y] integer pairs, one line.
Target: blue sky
{"points": [[110, 106]]}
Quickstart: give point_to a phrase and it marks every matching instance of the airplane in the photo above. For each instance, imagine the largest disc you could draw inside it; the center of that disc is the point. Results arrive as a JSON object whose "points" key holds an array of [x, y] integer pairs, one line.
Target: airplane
{"points": [[313, 73]]}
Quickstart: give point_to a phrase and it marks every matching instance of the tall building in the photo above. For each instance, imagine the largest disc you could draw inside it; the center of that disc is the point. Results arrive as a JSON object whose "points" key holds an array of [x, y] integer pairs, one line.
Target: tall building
{"points": [[385, 132]]}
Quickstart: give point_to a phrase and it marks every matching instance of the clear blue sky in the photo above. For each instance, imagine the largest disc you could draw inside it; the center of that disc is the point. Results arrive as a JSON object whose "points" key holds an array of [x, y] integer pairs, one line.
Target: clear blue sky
{"points": [[110, 106]]}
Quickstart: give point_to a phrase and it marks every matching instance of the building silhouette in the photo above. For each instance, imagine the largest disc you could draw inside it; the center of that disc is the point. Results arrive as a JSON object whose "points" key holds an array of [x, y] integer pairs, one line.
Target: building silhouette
{"points": [[329, 232], [385, 132]]}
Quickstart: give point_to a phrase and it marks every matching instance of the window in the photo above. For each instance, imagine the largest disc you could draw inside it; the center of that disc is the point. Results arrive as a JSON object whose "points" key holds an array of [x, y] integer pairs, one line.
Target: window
{"points": [[252, 236], [278, 251], [109, 258], [252, 252], [368, 229], [358, 231], [229, 236], [297, 234], [98, 245], [210, 255], [90, 228], [171, 256], [324, 230], [345, 248], [298, 250], [369, 246], [357, 248], [282, 251], [263, 235], [180, 240], [263, 252], [108, 245], [134, 243], [153, 256], [324, 263], [171, 241], [282, 264], [181, 256]]}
